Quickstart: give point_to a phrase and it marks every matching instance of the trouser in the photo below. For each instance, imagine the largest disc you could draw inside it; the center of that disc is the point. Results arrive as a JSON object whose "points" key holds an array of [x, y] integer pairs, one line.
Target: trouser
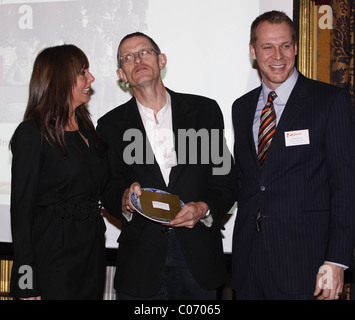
{"points": [[178, 283], [259, 283]]}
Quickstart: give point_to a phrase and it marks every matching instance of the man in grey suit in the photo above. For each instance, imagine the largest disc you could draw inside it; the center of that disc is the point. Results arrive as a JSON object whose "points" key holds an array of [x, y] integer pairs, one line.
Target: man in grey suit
{"points": [[295, 159]]}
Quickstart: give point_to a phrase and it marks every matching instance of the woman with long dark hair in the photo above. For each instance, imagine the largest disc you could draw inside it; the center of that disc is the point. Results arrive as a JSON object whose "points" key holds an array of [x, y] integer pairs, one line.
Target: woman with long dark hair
{"points": [[58, 173]]}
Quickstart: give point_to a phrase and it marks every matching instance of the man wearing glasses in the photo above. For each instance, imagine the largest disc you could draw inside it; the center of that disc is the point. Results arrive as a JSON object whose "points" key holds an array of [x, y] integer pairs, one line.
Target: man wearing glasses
{"points": [[181, 259]]}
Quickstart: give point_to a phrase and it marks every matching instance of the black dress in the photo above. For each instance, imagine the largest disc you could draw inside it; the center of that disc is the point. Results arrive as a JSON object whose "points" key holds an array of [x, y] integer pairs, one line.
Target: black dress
{"points": [[57, 227]]}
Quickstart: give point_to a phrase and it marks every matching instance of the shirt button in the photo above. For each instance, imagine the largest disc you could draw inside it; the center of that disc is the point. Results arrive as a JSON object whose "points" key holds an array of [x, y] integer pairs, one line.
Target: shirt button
{"points": [[262, 188]]}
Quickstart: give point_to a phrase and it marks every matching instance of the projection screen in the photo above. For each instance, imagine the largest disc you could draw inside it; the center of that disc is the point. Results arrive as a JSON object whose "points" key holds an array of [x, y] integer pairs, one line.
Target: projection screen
{"points": [[206, 43]]}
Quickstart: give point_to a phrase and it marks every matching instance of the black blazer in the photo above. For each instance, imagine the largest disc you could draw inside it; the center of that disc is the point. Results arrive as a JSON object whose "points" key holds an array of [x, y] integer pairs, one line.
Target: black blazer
{"points": [[305, 193], [56, 229], [142, 244]]}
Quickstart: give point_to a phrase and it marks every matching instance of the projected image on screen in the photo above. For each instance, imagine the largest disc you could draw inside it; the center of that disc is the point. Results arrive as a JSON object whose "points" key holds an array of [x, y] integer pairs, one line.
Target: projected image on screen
{"points": [[93, 25]]}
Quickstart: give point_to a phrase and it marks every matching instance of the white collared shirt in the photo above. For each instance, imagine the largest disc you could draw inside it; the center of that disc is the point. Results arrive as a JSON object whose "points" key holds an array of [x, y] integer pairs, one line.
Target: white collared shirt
{"points": [[161, 139], [160, 136]]}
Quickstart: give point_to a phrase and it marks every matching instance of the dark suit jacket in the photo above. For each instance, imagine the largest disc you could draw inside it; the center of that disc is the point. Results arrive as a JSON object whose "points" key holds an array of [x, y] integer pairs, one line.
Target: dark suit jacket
{"points": [[142, 244], [305, 193]]}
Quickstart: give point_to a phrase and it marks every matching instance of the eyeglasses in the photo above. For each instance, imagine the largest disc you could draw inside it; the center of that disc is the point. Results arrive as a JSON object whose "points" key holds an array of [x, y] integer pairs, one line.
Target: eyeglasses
{"points": [[144, 53]]}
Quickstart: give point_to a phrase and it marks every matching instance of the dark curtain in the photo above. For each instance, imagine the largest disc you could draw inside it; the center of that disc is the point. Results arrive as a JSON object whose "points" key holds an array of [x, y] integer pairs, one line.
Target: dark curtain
{"points": [[342, 45]]}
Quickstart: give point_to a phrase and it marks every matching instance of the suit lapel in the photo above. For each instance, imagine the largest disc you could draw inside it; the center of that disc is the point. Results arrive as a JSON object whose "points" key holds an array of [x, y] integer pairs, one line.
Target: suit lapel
{"points": [[80, 145], [183, 118], [250, 123]]}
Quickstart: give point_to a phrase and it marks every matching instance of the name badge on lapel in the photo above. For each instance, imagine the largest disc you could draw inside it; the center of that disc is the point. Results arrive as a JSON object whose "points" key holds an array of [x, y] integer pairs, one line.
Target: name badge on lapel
{"points": [[296, 138]]}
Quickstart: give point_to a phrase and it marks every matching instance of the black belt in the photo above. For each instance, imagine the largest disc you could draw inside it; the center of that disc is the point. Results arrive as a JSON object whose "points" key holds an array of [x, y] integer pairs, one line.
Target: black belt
{"points": [[78, 209]]}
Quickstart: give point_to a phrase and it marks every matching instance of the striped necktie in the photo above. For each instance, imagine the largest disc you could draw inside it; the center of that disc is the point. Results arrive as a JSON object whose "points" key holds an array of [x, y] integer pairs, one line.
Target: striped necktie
{"points": [[267, 127]]}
